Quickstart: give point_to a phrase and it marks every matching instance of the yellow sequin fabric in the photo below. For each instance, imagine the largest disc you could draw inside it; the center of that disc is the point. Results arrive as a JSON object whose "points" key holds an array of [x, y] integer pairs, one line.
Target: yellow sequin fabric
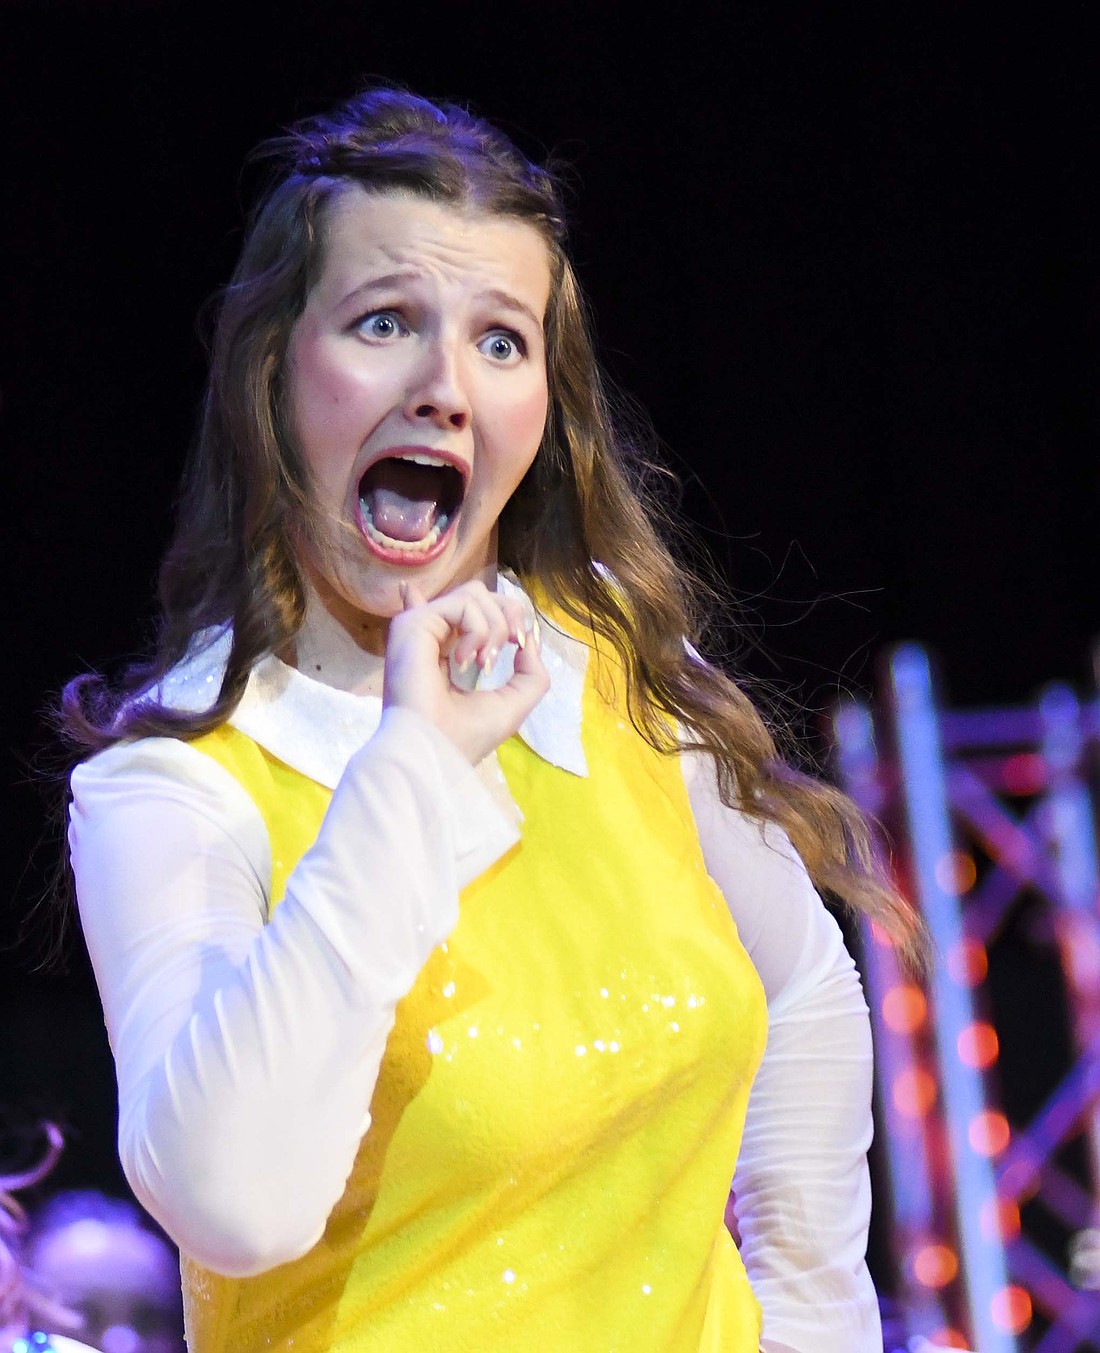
{"points": [[561, 1101]]}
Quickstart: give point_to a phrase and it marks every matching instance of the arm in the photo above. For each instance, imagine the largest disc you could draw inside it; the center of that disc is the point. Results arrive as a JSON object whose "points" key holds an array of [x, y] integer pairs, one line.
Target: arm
{"points": [[247, 1053], [802, 1184]]}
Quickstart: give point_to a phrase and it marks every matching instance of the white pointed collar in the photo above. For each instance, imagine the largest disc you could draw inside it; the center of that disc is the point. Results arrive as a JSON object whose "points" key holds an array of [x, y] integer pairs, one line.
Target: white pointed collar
{"points": [[315, 728]]}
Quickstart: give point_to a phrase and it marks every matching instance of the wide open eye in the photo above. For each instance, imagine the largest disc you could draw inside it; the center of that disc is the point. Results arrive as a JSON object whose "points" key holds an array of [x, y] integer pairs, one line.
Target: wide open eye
{"points": [[502, 346], [381, 324]]}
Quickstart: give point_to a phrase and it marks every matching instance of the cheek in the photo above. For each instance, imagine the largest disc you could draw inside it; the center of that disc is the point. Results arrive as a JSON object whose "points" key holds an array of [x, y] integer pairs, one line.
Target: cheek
{"points": [[521, 427], [322, 393], [333, 407]]}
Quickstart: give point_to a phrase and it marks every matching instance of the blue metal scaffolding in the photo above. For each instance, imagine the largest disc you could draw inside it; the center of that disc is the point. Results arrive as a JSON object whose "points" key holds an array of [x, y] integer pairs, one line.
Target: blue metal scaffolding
{"points": [[988, 812]]}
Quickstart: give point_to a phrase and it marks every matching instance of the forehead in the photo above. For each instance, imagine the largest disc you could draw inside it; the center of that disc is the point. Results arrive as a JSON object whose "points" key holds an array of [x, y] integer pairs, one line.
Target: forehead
{"points": [[376, 234]]}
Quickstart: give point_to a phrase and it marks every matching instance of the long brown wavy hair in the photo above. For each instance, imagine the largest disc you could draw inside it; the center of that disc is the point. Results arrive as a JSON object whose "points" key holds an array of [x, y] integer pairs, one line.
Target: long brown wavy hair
{"points": [[581, 529]]}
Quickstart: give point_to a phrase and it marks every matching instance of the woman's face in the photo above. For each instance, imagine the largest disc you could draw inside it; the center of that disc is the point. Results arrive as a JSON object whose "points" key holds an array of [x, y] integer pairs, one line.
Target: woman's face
{"points": [[416, 377]]}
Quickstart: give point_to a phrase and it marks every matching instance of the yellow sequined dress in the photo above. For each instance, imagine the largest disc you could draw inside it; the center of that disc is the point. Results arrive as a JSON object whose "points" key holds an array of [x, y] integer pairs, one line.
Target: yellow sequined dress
{"points": [[559, 1110]]}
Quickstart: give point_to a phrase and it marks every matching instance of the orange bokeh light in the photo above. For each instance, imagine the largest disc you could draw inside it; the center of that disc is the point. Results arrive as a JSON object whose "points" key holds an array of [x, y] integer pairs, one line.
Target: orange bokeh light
{"points": [[935, 1265], [904, 1008], [956, 872], [914, 1092], [950, 1338], [978, 1045], [1000, 1219], [989, 1133], [968, 963], [1011, 1309]]}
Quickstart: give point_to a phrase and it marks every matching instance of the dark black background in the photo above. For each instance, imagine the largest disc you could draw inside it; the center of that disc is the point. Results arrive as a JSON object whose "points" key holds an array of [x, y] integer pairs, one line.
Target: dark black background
{"points": [[845, 256]]}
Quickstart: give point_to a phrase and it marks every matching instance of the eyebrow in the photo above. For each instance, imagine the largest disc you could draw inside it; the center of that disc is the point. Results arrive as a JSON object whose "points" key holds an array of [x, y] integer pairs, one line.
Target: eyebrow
{"points": [[391, 279], [511, 302]]}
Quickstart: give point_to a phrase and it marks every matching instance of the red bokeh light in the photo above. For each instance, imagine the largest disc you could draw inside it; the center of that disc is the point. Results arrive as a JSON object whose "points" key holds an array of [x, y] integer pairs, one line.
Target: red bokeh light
{"points": [[904, 1008], [956, 872], [935, 1265], [1011, 1309], [968, 963], [1025, 773], [978, 1045], [1000, 1219], [950, 1338], [914, 1092], [989, 1133]]}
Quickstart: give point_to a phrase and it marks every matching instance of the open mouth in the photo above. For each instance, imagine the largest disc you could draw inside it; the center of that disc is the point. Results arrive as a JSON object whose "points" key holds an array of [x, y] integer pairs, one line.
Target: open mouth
{"points": [[408, 502]]}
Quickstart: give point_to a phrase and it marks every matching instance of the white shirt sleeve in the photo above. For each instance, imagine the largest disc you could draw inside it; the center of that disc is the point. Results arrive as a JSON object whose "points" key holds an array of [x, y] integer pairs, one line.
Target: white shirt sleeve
{"points": [[247, 1052], [802, 1183]]}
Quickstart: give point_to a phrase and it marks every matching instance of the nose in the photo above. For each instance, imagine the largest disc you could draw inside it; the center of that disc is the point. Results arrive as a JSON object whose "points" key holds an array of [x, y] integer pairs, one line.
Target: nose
{"points": [[437, 393]]}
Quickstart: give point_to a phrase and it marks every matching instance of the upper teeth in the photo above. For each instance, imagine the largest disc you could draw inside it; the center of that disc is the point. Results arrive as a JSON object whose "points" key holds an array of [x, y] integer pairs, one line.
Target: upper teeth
{"points": [[422, 458]]}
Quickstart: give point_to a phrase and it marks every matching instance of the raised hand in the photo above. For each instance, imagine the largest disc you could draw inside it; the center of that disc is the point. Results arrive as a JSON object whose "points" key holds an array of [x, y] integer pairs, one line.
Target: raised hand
{"points": [[465, 627]]}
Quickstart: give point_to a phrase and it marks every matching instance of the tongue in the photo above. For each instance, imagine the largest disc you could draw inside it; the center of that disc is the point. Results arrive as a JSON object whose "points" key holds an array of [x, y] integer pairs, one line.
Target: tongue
{"points": [[403, 498], [399, 517]]}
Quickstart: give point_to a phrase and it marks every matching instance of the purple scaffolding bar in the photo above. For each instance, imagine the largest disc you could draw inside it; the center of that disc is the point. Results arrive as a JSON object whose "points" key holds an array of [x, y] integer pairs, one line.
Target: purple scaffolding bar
{"points": [[899, 1060], [1071, 835], [962, 1088]]}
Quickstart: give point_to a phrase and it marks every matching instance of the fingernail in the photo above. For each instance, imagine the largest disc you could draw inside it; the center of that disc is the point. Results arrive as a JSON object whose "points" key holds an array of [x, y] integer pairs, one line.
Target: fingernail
{"points": [[488, 660], [521, 639], [464, 665], [536, 630]]}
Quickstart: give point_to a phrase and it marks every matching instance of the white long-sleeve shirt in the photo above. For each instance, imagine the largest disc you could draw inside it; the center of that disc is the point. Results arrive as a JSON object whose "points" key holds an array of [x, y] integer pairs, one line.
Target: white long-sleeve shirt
{"points": [[250, 1045]]}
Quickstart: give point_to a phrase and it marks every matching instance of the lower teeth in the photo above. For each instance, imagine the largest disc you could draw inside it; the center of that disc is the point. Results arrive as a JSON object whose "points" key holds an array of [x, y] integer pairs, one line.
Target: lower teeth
{"points": [[409, 546]]}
